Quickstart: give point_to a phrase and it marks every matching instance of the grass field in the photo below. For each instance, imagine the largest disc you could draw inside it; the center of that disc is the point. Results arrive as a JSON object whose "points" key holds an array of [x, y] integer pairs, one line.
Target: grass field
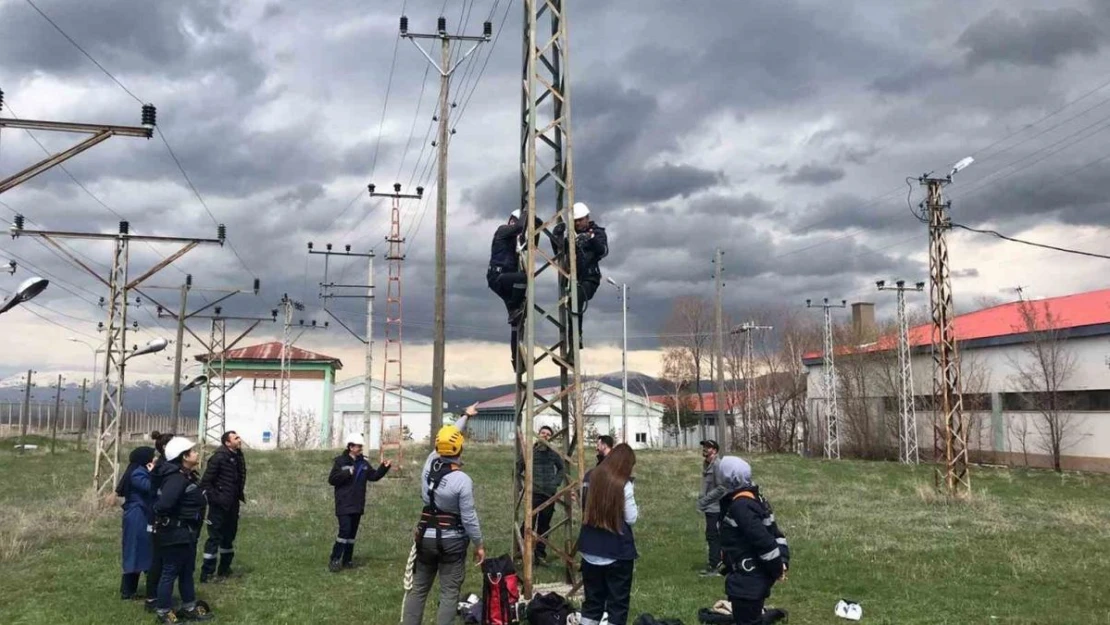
{"points": [[1032, 547]]}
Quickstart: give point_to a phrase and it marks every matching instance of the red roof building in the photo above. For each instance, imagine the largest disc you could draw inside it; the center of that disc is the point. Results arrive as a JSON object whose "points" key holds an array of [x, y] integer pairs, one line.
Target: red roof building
{"points": [[271, 352]]}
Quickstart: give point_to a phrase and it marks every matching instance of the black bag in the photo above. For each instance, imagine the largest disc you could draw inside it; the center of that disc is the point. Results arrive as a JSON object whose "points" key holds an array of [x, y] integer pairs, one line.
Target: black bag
{"points": [[647, 619], [548, 609]]}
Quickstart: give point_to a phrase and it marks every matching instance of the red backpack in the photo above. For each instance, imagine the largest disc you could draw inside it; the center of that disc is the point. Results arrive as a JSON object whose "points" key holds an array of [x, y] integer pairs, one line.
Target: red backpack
{"points": [[500, 591]]}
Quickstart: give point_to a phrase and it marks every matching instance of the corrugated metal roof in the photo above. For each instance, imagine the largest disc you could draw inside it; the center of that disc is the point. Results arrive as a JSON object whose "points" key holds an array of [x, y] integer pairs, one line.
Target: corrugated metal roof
{"points": [[272, 352], [1070, 311], [706, 403]]}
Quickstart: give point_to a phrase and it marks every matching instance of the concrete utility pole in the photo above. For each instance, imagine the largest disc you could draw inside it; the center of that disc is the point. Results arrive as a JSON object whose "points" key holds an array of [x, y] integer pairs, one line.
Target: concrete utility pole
{"points": [[950, 436], [25, 413], [179, 346], [832, 406], [120, 285], [623, 290], [748, 329], [446, 69], [84, 412], [57, 410], [718, 278], [907, 412]]}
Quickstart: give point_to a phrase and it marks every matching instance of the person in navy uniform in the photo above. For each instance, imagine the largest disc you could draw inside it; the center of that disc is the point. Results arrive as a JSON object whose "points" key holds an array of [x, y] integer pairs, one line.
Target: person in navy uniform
{"points": [[138, 516], [178, 515], [754, 549], [591, 245], [350, 473], [224, 483], [505, 276]]}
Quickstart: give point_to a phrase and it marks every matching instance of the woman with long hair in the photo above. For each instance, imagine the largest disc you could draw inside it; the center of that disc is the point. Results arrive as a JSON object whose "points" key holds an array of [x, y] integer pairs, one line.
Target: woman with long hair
{"points": [[138, 515], [606, 542]]}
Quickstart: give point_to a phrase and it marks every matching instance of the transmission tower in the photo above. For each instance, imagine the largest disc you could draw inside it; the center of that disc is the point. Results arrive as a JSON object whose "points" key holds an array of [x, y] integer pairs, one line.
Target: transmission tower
{"points": [[748, 329], [109, 426], [285, 423], [907, 412], [950, 435], [832, 406], [546, 171]]}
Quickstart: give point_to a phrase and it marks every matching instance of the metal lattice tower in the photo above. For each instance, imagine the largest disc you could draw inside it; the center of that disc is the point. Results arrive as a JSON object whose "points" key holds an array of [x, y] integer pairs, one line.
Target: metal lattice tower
{"points": [[907, 413], [284, 434], [748, 329], [391, 423], [215, 389], [950, 434], [546, 172], [832, 405]]}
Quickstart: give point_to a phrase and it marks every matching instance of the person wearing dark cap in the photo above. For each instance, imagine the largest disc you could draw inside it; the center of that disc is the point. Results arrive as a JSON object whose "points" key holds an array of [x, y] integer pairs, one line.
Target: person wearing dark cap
{"points": [[138, 515], [709, 504]]}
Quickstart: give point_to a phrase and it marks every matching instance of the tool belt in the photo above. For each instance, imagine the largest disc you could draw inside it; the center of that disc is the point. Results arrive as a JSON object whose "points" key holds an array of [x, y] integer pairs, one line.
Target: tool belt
{"points": [[439, 521]]}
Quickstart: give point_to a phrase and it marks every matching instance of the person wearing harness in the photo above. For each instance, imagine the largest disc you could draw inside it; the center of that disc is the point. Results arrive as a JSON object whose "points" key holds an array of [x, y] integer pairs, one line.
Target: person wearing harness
{"points": [[591, 245], [178, 514], [606, 542], [138, 515], [154, 575], [224, 483], [548, 471], [349, 475], [709, 504], [448, 524], [755, 552], [505, 276]]}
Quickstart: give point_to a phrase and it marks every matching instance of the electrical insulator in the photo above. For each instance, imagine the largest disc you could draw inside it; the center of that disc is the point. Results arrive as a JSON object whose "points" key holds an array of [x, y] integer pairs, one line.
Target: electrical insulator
{"points": [[310, 245], [404, 24], [188, 279], [1, 99], [454, 104], [396, 187], [219, 309], [371, 187], [419, 191], [124, 227], [135, 325], [150, 115], [328, 246], [100, 326], [160, 309], [441, 25], [221, 232], [452, 131], [325, 325], [433, 144], [314, 323], [348, 248], [273, 313], [302, 322], [257, 286], [19, 222], [101, 302], [487, 29]]}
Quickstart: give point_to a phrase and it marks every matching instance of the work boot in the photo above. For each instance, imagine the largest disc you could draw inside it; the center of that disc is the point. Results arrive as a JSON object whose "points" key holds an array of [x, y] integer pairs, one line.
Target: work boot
{"points": [[205, 577], [167, 617], [335, 566], [775, 615], [708, 572], [198, 612], [151, 604]]}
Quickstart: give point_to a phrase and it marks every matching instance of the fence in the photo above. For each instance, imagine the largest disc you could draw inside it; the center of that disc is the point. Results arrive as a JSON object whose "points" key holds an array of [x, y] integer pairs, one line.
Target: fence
{"points": [[73, 420]]}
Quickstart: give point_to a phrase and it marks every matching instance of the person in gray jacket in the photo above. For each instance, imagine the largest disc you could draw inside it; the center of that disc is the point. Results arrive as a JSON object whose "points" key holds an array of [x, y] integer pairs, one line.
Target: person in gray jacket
{"points": [[448, 524], [709, 504], [548, 472]]}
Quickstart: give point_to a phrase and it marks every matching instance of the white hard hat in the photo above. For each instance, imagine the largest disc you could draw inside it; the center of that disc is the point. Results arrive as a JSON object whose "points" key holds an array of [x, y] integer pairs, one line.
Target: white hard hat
{"points": [[355, 438], [580, 210], [177, 446], [515, 214]]}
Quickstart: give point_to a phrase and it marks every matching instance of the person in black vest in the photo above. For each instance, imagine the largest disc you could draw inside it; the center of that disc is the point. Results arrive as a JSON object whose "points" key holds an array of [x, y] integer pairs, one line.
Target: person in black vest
{"points": [[548, 471], [224, 482], [138, 516], [349, 475], [154, 575], [756, 554], [178, 515], [504, 275], [591, 245], [606, 542]]}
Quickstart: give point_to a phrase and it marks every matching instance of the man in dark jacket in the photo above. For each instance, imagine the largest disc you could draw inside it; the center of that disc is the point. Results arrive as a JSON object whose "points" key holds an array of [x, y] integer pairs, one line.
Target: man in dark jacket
{"points": [[591, 245], [224, 482], [709, 504], [349, 474], [505, 276], [548, 471], [756, 554]]}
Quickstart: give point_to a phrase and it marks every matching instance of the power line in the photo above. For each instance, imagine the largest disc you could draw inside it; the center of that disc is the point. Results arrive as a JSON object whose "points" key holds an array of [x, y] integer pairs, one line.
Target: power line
{"points": [[1027, 242]]}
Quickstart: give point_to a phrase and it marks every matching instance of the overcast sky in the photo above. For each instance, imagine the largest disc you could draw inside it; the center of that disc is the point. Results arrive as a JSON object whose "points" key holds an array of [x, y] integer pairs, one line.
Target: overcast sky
{"points": [[781, 132]]}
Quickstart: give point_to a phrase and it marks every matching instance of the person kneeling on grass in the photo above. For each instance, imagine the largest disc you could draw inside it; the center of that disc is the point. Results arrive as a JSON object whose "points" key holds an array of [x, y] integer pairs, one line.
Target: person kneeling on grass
{"points": [[755, 551], [606, 542], [178, 514], [349, 475]]}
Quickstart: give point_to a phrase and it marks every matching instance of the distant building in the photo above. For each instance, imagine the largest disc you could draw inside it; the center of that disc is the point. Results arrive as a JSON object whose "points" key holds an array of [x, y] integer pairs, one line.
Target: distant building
{"points": [[350, 396], [1006, 413], [495, 421], [252, 404]]}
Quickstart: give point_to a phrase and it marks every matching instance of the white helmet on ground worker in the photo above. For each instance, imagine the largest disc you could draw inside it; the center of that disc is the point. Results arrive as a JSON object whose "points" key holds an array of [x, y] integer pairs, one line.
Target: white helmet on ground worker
{"points": [[355, 438], [178, 445]]}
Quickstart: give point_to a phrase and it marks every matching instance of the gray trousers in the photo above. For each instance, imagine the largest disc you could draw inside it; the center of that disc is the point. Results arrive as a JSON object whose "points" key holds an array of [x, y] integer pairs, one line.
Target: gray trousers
{"points": [[450, 564]]}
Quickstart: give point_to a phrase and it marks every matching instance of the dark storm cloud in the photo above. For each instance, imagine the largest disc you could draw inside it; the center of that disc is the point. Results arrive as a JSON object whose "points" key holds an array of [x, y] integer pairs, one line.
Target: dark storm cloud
{"points": [[716, 205], [1037, 37], [905, 80], [813, 175]]}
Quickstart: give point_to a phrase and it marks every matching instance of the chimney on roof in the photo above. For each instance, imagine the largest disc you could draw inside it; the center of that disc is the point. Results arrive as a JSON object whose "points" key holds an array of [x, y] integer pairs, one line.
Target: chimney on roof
{"points": [[863, 321]]}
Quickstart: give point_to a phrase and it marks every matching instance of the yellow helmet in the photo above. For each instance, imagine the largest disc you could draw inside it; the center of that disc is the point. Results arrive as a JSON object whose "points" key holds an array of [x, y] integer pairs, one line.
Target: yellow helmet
{"points": [[449, 441]]}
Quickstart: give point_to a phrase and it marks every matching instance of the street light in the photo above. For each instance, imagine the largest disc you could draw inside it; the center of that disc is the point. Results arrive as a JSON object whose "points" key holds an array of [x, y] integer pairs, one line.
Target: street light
{"points": [[28, 290], [195, 382], [153, 347], [623, 288], [95, 351]]}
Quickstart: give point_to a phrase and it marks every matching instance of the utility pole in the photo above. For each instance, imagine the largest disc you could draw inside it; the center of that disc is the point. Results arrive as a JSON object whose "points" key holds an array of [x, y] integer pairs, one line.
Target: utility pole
{"points": [[179, 346], [950, 436], [391, 425], [327, 295], [832, 406], [446, 69], [109, 426], [25, 414], [907, 412], [84, 411], [57, 409], [718, 278], [748, 328], [546, 171], [99, 133], [623, 290]]}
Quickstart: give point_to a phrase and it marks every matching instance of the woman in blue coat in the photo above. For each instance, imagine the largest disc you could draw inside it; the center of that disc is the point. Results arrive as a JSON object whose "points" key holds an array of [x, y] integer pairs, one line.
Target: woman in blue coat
{"points": [[138, 515]]}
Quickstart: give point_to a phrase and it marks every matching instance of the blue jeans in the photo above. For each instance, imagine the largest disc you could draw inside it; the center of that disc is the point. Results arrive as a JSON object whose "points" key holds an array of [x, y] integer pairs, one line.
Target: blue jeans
{"points": [[179, 562]]}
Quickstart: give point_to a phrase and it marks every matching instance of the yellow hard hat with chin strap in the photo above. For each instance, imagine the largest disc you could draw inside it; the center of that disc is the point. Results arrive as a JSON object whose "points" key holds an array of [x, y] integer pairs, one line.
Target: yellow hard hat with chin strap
{"points": [[449, 441]]}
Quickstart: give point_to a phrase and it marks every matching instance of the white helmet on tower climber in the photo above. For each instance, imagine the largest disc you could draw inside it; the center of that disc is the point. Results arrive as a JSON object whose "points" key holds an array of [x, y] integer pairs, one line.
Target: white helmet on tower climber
{"points": [[580, 210]]}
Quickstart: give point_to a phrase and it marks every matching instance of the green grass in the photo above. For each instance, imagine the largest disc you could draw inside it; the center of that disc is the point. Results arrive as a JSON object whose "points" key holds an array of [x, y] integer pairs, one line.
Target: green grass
{"points": [[1032, 547]]}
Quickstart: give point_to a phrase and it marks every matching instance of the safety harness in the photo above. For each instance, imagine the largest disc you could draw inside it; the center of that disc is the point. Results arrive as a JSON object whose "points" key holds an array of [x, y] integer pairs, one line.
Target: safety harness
{"points": [[431, 516]]}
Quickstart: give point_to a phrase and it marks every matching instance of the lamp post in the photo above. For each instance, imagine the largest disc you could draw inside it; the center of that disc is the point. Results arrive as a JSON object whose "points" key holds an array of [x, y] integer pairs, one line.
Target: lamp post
{"points": [[623, 288], [27, 291]]}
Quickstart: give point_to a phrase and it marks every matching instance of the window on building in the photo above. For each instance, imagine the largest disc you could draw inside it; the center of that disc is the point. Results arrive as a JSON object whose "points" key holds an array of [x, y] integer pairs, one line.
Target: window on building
{"points": [[641, 437]]}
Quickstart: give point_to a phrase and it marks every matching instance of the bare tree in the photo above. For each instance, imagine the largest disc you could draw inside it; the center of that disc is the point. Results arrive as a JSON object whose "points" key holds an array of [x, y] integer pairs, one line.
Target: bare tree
{"points": [[690, 328], [303, 425], [1041, 373], [678, 373], [780, 394]]}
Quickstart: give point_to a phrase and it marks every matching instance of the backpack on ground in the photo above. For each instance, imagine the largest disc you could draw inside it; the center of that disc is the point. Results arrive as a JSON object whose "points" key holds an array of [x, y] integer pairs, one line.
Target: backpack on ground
{"points": [[500, 591], [548, 609]]}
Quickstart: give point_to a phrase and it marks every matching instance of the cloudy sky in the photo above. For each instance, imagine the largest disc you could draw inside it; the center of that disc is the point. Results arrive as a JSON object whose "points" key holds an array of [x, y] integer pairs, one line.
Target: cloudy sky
{"points": [[781, 132]]}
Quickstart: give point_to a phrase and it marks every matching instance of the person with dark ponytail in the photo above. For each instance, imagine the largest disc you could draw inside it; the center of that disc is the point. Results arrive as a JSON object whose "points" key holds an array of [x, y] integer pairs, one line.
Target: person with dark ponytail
{"points": [[606, 542], [155, 571], [138, 515]]}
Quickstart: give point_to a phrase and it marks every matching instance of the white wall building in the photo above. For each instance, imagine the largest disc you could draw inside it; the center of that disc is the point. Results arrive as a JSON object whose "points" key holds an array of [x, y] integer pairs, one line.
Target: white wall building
{"points": [[1006, 421], [350, 395], [495, 420]]}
